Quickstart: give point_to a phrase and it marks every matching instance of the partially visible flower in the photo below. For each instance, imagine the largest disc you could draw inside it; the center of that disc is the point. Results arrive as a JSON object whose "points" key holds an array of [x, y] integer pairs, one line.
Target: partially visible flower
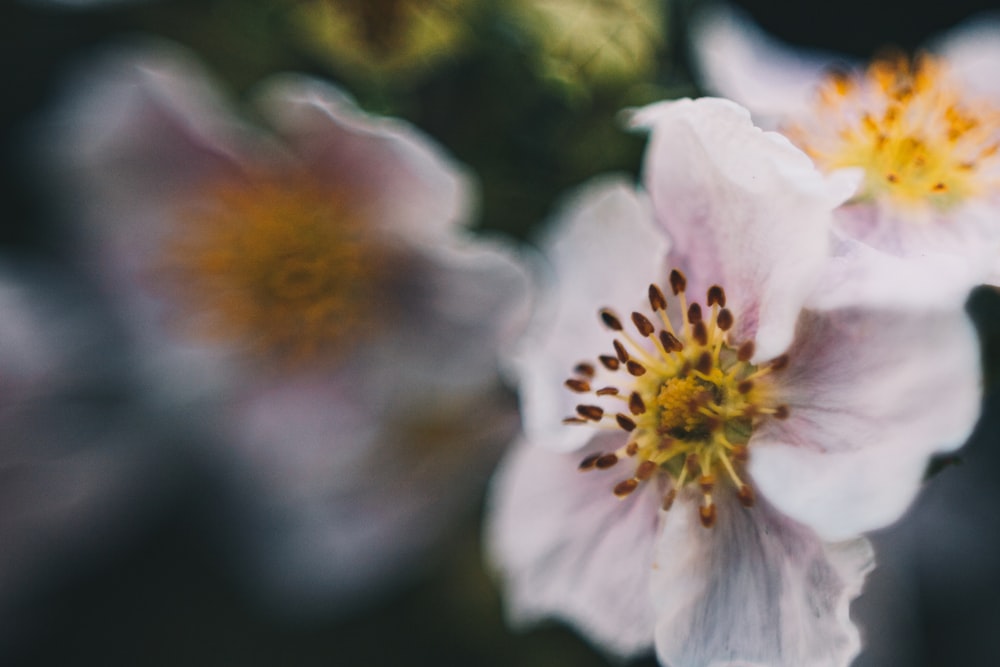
{"points": [[384, 38], [310, 298], [593, 43], [925, 130], [78, 468], [698, 481]]}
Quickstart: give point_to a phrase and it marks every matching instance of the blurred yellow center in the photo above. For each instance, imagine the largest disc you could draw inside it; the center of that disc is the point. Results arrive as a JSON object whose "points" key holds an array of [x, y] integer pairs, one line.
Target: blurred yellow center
{"points": [[279, 266], [912, 129]]}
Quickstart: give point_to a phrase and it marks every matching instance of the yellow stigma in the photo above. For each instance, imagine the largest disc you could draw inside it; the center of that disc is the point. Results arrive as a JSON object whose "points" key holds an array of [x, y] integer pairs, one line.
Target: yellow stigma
{"points": [[280, 267], [690, 404], [910, 126]]}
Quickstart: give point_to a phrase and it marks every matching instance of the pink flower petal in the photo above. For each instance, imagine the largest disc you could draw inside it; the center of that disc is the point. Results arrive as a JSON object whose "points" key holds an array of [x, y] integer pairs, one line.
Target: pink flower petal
{"points": [[755, 590], [872, 395], [566, 547]]}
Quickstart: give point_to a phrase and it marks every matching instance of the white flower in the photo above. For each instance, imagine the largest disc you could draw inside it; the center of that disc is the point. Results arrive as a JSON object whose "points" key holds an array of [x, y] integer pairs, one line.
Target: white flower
{"points": [[925, 132], [308, 297], [747, 440]]}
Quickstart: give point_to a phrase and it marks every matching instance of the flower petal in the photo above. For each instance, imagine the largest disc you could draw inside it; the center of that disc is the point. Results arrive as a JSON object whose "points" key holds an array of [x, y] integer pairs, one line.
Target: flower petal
{"points": [[872, 395], [737, 60], [757, 589], [972, 51], [604, 251], [743, 208], [430, 192], [566, 547]]}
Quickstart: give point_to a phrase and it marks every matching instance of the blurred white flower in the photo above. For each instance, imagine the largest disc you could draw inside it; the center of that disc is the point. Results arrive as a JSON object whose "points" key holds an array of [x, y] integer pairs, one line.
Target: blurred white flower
{"points": [[925, 131], [78, 468], [309, 297], [757, 438]]}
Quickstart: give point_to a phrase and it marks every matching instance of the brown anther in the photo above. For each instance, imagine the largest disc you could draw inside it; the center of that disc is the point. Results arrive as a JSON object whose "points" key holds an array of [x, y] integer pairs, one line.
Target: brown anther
{"points": [[708, 515], [592, 412], [746, 496], [635, 368], [607, 391], [700, 332], [892, 177], [725, 319], [779, 363], [656, 299], [609, 362], [707, 483], [574, 420], [665, 443], [939, 187], [740, 453], [610, 320], [605, 461], [632, 448], [588, 463], [642, 324], [691, 462], [670, 342], [579, 386], [625, 422], [585, 369], [694, 313], [678, 283], [626, 487], [745, 351], [704, 363], [745, 386], [635, 403], [712, 424], [716, 295], [668, 500], [781, 412], [620, 351], [645, 470]]}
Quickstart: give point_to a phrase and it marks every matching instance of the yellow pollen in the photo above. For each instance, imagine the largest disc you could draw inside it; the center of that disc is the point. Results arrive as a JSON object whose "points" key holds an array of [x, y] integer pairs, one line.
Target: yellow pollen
{"points": [[690, 415], [280, 267], [920, 139]]}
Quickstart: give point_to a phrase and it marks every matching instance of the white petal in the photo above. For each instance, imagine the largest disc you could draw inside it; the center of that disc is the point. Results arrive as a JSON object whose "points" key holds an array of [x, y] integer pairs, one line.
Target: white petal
{"points": [[412, 187], [757, 590], [743, 208], [872, 394], [737, 60], [972, 51], [604, 251], [565, 547]]}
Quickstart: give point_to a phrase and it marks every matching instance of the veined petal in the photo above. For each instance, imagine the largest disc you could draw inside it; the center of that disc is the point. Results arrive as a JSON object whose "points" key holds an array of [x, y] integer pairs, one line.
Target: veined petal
{"points": [[604, 250], [872, 395], [372, 156], [566, 547], [757, 590], [737, 60], [743, 208]]}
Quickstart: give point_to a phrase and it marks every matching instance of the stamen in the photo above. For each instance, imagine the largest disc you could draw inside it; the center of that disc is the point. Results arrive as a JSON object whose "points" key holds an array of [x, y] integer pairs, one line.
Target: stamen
{"points": [[626, 487], [585, 369], [668, 500], [716, 296], [605, 461], [707, 514], [700, 332], [636, 404], [779, 363], [592, 412], [670, 342], [678, 283], [635, 368], [725, 319], [609, 362], [625, 422], [579, 386], [620, 351], [607, 391], [694, 313], [657, 301], [746, 496], [589, 462], [610, 320], [745, 351], [643, 325], [645, 470]]}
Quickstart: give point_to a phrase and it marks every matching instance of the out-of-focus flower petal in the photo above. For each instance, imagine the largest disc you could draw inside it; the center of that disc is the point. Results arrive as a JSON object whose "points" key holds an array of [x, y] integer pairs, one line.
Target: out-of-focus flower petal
{"points": [[745, 210], [737, 60], [972, 51], [606, 223], [756, 590], [872, 394], [568, 548]]}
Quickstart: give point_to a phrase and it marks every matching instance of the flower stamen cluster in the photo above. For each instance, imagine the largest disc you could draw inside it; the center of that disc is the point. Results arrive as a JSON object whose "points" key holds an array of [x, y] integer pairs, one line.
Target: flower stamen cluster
{"points": [[689, 397]]}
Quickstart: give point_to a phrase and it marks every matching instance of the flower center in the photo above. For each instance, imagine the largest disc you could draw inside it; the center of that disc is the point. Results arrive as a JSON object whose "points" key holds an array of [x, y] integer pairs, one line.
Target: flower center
{"points": [[280, 266], [910, 126], [689, 399]]}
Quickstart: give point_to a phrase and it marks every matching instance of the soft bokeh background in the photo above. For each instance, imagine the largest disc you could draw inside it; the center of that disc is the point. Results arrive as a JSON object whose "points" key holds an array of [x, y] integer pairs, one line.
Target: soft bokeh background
{"points": [[528, 99]]}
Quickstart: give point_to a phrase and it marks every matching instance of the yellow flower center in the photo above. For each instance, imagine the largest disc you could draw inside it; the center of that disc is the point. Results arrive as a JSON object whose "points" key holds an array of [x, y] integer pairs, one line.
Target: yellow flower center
{"points": [[911, 127], [279, 266], [690, 401]]}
